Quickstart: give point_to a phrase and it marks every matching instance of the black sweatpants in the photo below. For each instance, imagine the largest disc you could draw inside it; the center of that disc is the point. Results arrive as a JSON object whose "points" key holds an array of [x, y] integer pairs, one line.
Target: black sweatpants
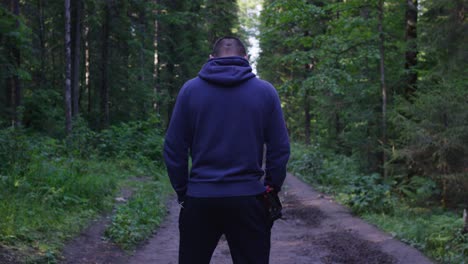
{"points": [[242, 219]]}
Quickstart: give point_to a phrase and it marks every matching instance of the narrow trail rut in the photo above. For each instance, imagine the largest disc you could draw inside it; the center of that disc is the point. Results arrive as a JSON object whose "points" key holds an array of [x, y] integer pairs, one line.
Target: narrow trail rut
{"points": [[315, 229]]}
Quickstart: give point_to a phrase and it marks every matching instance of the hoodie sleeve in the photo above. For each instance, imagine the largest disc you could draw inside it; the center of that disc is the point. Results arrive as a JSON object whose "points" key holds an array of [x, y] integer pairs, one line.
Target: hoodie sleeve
{"points": [[277, 141], [176, 146]]}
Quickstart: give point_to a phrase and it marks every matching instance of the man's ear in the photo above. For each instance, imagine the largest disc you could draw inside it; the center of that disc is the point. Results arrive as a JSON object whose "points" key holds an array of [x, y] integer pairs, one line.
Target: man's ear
{"points": [[247, 56]]}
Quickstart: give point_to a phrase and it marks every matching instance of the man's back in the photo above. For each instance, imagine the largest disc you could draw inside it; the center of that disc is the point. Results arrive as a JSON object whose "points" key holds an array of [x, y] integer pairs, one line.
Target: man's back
{"points": [[227, 114]]}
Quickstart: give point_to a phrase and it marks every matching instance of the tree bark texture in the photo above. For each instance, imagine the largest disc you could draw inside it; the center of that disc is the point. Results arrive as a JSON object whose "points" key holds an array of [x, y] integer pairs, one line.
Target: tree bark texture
{"points": [[156, 103], [76, 57], [411, 53], [14, 92], [42, 76], [104, 92], [382, 84], [87, 65], [68, 66]]}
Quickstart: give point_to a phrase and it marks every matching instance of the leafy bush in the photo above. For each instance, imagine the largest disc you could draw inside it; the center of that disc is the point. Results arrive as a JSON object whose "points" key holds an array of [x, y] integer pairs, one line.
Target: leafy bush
{"points": [[81, 142], [14, 148], [416, 190], [338, 171], [339, 174], [136, 140], [41, 111], [306, 161], [367, 193]]}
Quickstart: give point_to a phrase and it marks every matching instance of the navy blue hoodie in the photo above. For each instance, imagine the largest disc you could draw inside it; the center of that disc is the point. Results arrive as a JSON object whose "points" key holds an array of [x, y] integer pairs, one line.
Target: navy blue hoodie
{"points": [[222, 118]]}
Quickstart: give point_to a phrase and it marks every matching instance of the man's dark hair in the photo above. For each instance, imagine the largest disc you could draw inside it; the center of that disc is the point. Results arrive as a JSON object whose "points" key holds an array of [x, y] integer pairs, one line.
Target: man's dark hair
{"points": [[228, 46]]}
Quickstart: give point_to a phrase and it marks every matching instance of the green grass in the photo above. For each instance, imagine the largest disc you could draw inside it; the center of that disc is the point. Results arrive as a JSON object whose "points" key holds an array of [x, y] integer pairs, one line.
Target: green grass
{"points": [[35, 230], [51, 203], [51, 188], [135, 220], [433, 231], [54, 201]]}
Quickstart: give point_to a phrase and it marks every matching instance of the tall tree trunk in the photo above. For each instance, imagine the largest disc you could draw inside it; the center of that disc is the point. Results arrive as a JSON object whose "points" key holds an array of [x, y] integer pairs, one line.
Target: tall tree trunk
{"points": [[68, 66], [9, 84], [6, 86], [42, 77], [365, 13], [156, 103], [76, 57], [383, 85], [14, 82], [143, 63], [411, 47], [308, 67], [87, 65], [17, 57], [170, 91], [54, 57], [142, 24], [104, 93]]}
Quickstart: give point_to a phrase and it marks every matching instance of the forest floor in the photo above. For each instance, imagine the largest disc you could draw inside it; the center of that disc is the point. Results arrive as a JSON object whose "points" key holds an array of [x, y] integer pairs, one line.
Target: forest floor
{"points": [[314, 229]]}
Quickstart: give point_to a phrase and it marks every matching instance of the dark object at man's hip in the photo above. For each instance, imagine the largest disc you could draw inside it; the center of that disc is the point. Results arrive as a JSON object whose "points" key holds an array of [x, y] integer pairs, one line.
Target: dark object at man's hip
{"points": [[272, 203]]}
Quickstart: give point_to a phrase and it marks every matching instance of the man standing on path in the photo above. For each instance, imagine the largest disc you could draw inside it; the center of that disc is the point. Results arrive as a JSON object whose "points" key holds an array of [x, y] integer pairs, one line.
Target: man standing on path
{"points": [[222, 119]]}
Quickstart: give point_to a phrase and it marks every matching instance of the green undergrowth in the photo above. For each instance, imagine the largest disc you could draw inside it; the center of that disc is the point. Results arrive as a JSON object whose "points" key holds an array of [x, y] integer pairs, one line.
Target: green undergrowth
{"points": [[52, 188], [433, 231], [53, 203], [135, 220], [405, 209]]}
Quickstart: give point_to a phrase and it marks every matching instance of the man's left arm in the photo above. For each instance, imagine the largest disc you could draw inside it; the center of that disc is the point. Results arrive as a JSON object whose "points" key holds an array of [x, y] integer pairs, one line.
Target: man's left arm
{"points": [[176, 146]]}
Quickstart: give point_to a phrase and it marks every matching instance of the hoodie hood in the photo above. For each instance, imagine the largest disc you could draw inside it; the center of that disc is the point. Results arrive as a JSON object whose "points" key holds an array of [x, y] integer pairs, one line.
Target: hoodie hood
{"points": [[226, 70]]}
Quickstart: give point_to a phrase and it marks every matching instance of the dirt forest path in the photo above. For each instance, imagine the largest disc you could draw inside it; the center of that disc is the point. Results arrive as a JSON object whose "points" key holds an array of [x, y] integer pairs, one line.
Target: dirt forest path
{"points": [[315, 229]]}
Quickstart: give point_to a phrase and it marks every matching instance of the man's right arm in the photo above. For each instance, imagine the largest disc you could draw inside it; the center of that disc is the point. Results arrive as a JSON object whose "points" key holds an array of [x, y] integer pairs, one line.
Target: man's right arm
{"points": [[278, 149]]}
